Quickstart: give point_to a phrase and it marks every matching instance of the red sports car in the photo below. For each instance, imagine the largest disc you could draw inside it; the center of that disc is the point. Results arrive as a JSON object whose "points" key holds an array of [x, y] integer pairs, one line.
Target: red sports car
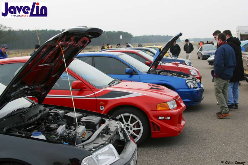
{"points": [[147, 59], [144, 109]]}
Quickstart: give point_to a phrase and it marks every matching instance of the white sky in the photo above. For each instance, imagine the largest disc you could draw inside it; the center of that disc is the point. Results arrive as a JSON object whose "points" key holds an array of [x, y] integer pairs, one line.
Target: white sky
{"points": [[194, 18]]}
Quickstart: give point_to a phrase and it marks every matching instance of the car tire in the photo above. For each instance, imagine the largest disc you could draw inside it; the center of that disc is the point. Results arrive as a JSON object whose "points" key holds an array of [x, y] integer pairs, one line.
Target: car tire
{"points": [[131, 117]]}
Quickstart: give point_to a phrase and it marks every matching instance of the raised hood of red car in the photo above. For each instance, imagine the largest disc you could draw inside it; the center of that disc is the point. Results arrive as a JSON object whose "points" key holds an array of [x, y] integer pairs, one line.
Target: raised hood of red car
{"points": [[46, 65]]}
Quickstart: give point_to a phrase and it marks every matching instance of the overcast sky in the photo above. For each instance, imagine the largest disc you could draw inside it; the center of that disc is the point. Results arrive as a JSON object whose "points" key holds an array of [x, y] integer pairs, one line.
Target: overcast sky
{"points": [[194, 18]]}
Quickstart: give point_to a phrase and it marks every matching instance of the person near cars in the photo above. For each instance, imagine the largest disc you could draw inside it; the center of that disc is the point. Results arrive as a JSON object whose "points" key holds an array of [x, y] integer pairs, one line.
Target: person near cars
{"points": [[103, 47], [175, 50], [215, 35], [188, 48], [3, 51], [224, 65], [238, 75]]}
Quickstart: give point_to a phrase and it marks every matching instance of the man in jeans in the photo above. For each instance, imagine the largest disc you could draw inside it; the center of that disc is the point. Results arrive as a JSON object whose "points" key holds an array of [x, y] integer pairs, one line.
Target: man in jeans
{"points": [[224, 65], [238, 75]]}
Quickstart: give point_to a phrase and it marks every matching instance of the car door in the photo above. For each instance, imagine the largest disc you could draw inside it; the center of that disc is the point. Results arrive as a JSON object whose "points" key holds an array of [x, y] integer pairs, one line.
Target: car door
{"points": [[61, 95], [114, 68]]}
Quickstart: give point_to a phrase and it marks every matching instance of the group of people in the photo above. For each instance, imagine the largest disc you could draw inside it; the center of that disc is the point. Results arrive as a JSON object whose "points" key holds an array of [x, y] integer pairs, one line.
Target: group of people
{"points": [[188, 48], [228, 72]]}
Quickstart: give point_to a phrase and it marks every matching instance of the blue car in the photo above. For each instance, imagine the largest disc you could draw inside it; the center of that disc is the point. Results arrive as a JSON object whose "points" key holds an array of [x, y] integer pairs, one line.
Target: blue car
{"points": [[124, 67]]}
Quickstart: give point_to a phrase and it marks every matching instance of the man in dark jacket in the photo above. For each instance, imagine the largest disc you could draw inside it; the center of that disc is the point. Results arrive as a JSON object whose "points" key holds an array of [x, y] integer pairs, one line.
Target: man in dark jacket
{"points": [[3, 51], [238, 74], [175, 50], [224, 65], [188, 48]]}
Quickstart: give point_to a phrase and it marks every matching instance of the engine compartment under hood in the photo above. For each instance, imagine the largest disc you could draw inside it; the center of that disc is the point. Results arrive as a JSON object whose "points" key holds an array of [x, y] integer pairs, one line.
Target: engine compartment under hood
{"points": [[61, 126]]}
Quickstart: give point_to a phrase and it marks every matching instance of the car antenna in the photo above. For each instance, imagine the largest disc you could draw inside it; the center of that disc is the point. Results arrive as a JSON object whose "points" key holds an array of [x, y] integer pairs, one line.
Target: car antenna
{"points": [[72, 98]]}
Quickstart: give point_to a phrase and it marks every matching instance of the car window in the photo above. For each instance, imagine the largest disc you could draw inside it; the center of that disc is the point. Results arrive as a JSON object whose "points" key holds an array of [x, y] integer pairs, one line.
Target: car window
{"points": [[208, 47], [90, 74], [141, 59], [62, 83], [135, 63], [110, 65], [148, 52], [8, 71], [88, 60]]}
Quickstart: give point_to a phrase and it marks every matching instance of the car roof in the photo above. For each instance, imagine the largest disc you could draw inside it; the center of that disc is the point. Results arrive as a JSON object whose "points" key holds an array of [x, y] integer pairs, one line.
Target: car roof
{"points": [[101, 54], [14, 60]]}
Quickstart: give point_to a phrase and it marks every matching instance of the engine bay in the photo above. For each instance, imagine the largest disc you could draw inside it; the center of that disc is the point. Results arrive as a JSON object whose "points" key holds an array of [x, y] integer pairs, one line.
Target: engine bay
{"points": [[61, 126]]}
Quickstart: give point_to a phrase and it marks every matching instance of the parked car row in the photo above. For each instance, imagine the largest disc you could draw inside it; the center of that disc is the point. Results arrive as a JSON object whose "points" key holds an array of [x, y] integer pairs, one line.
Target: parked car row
{"points": [[93, 109], [35, 133]]}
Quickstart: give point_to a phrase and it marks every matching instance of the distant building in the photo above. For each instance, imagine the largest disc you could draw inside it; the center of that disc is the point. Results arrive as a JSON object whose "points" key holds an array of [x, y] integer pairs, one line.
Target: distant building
{"points": [[242, 32]]}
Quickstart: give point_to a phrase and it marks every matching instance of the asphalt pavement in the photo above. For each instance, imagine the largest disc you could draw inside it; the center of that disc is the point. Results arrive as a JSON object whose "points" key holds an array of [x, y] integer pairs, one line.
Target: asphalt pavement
{"points": [[205, 139]]}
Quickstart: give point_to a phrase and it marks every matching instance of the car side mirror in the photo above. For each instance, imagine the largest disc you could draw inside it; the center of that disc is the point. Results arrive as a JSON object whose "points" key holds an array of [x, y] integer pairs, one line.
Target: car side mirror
{"points": [[129, 71], [148, 63], [78, 85]]}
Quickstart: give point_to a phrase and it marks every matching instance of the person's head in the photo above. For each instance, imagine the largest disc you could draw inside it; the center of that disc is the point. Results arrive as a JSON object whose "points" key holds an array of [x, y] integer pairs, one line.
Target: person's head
{"points": [[215, 34], [175, 42], [186, 40], [221, 38], [227, 33], [4, 48]]}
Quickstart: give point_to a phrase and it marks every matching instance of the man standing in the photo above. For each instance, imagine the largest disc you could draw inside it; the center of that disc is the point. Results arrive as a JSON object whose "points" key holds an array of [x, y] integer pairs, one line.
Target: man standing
{"points": [[238, 74], [224, 65], [188, 48], [3, 51], [175, 50]]}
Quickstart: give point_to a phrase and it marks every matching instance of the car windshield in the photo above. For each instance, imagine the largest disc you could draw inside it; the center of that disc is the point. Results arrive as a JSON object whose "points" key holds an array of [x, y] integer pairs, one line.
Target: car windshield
{"points": [[154, 48], [90, 74], [208, 47], [14, 104], [135, 63], [146, 55], [149, 51]]}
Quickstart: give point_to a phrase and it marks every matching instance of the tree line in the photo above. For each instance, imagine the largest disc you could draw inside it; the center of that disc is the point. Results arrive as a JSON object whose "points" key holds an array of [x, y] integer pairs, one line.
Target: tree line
{"points": [[26, 39]]}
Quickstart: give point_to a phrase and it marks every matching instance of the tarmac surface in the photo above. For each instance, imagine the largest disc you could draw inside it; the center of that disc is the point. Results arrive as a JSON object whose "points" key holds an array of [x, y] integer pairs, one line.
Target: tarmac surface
{"points": [[205, 139]]}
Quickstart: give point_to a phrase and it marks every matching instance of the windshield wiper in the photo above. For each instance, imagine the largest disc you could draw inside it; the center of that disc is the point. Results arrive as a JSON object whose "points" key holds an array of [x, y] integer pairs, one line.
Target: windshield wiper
{"points": [[114, 82]]}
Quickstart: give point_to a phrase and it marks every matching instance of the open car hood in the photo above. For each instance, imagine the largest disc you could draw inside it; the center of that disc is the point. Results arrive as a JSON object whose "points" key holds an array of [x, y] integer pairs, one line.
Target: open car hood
{"points": [[159, 56], [46, 65]]}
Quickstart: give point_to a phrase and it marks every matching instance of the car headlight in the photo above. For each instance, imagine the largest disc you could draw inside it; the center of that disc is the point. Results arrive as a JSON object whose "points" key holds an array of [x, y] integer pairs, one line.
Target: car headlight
{"points": [[193, 72], [192, 84], [104, 156], [167, 105]]}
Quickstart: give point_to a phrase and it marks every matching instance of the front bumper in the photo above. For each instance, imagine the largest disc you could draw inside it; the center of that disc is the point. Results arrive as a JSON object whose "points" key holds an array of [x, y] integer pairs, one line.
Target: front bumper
{"points": [[167, 123], [128, 155], [191, 96]]}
